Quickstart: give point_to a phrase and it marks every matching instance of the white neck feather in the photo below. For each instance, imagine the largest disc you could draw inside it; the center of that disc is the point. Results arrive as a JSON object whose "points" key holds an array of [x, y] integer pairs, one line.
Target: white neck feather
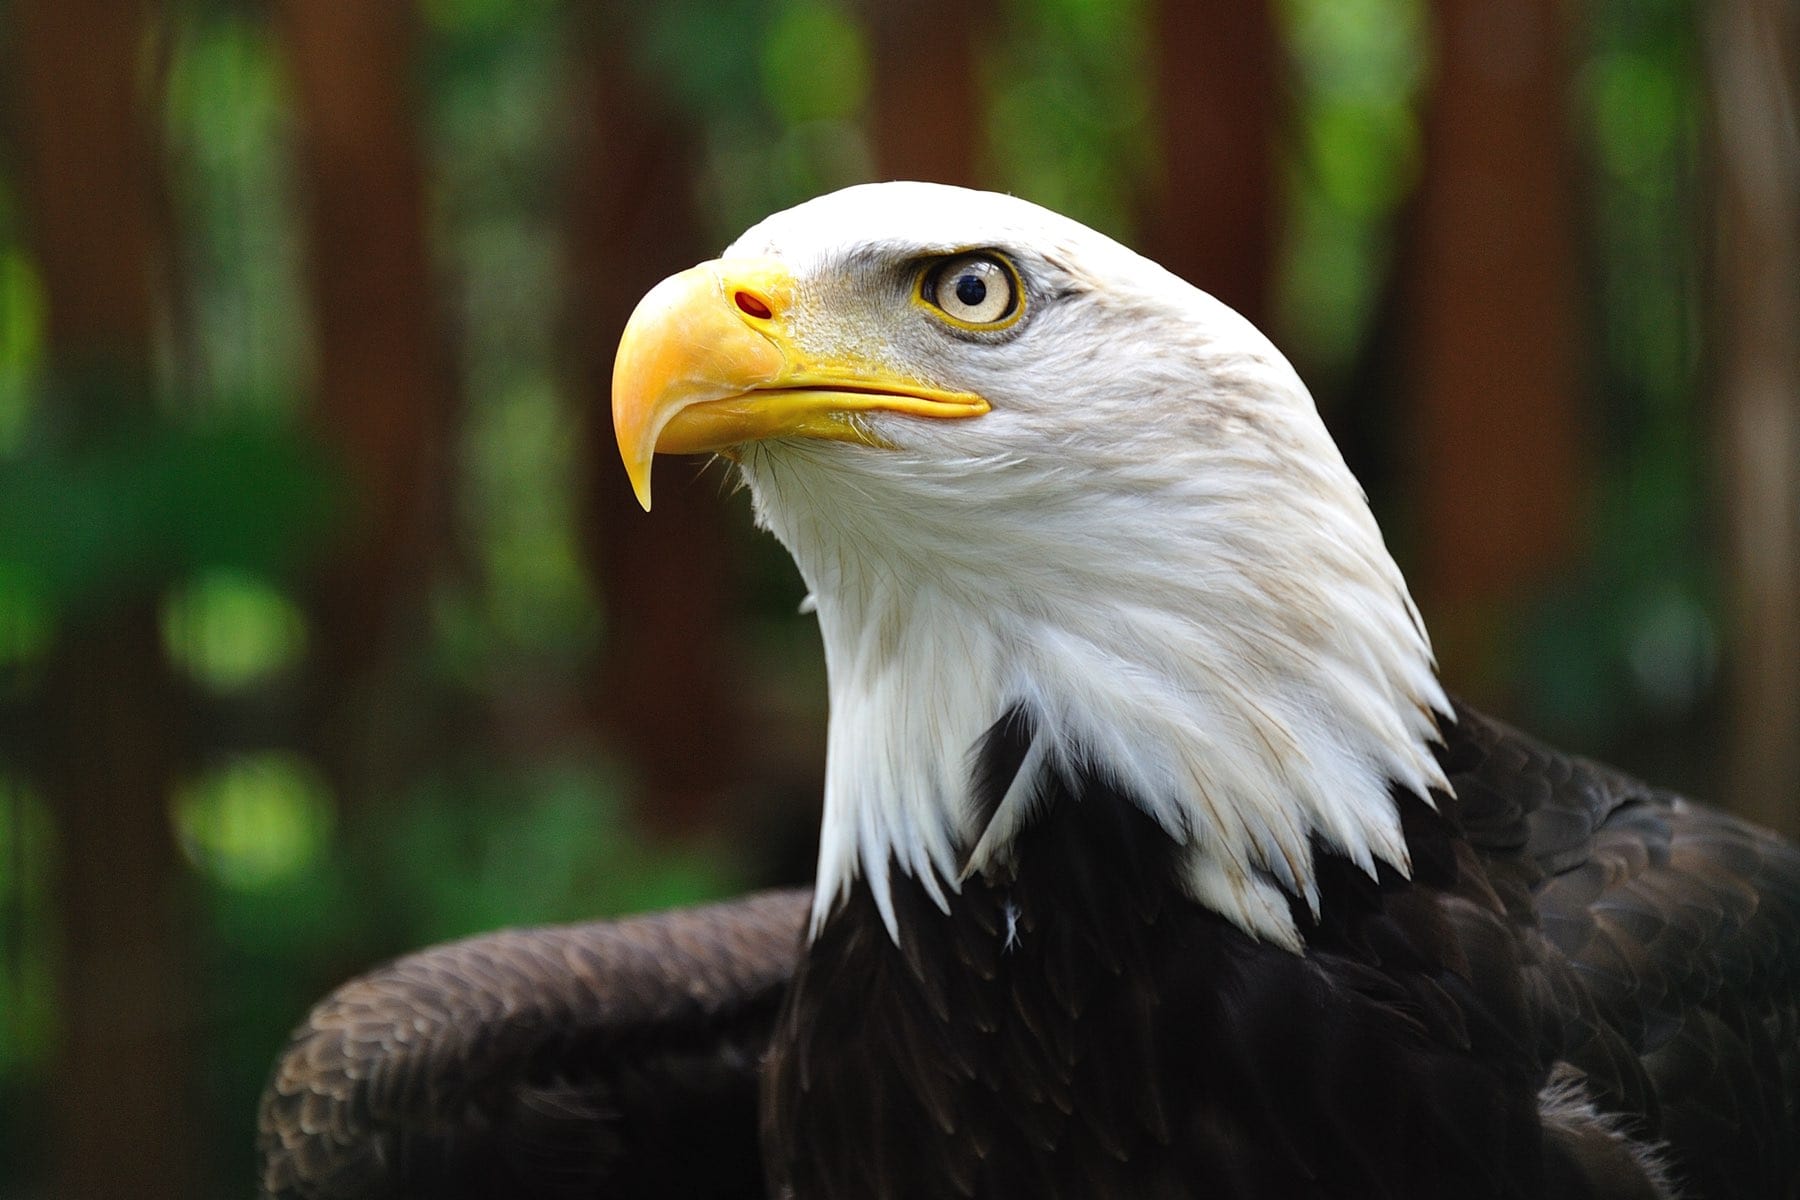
{"points": [[1218, 628]]}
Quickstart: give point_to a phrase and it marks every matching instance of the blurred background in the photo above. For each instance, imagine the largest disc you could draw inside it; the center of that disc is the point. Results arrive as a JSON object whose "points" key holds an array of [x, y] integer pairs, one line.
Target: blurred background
{"points": [[328, 627]]}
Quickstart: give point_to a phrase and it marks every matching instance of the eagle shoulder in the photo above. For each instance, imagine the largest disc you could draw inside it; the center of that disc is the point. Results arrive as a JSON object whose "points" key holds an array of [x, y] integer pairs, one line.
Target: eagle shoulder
{"points": [[1661, 941]]}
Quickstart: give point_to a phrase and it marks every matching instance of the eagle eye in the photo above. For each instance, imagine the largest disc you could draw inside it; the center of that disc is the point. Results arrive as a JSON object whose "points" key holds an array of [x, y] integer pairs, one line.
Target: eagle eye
{"points": [[975, 291]]}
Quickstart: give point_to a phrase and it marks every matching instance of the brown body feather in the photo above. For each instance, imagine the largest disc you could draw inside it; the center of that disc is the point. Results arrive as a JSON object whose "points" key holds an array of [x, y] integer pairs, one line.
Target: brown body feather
{"points": [[1588, 989]]}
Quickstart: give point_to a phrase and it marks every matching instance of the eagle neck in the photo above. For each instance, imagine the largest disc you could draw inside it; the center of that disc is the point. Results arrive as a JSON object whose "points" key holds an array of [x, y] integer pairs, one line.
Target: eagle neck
{"points": [[1227, 644]]}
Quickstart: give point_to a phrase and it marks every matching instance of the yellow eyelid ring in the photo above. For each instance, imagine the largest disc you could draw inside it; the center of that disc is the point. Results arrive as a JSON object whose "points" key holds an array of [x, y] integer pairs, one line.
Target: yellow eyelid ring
{"points": [[933, 275], [709, 360]]}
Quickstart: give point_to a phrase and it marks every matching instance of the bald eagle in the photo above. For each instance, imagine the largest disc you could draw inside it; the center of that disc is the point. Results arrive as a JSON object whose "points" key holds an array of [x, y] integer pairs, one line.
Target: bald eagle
{"points": [[1155, 861]]}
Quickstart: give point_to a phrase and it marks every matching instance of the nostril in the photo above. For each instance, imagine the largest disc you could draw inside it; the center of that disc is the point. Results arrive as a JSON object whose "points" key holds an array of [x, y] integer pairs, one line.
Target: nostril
{"points": [[754, 305]]}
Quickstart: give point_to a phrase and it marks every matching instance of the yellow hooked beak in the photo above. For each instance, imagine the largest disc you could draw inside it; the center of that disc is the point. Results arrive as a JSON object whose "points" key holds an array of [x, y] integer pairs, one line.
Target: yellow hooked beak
{"points": [[709, 361]]}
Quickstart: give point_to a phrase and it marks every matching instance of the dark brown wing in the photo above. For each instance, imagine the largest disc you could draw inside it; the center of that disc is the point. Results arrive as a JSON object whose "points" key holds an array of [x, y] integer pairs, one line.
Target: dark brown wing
{"points": [[613, 1059], [1667, 938]]}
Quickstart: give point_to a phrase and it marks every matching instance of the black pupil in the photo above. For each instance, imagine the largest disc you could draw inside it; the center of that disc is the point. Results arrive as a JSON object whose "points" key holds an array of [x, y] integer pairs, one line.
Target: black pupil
{"points": [[970, 290]]}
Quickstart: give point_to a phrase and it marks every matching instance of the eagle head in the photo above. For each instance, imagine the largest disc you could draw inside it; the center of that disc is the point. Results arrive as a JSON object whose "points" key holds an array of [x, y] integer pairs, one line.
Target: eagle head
{"points": [[1022, 468]]}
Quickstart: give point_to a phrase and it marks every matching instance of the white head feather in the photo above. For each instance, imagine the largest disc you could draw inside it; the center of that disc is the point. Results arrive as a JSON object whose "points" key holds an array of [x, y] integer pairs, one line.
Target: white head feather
{"points": [[1150, 542]]}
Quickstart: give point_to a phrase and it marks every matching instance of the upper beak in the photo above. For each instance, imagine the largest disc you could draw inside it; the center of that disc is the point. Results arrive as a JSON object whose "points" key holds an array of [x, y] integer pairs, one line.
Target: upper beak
{"points": [[709, 360]]}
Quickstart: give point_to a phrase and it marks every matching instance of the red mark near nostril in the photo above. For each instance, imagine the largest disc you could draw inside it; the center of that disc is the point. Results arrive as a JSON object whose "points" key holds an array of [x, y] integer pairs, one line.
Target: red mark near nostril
{"points": [[753, 305]]}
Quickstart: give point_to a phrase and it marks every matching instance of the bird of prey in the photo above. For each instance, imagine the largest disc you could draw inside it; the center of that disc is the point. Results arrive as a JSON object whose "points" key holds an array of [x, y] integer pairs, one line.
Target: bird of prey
{"points": [[1155, 861]]}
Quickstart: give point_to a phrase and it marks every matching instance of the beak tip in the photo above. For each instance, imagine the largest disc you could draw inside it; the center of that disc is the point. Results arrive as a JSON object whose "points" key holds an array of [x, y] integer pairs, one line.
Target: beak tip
{"points": [[640, 488]]}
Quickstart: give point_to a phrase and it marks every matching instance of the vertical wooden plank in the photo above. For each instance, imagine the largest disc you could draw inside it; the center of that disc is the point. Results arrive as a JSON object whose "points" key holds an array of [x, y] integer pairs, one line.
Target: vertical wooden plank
{"points": [[123, 1090], [1213, 211], [84, 121], [383, 386], [1753, 51], [927, 106], [666, 578], [86, 167], [1490, 332]]}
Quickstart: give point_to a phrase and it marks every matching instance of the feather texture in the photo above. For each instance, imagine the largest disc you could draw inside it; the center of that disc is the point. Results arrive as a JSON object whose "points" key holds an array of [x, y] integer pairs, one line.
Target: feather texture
{"points": [[1151, 542], [566, 1062]]}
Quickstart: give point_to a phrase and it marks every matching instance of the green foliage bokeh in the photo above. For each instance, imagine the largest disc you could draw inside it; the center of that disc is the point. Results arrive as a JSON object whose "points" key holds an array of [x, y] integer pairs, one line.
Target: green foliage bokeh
{"points": [[221, 503]]}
